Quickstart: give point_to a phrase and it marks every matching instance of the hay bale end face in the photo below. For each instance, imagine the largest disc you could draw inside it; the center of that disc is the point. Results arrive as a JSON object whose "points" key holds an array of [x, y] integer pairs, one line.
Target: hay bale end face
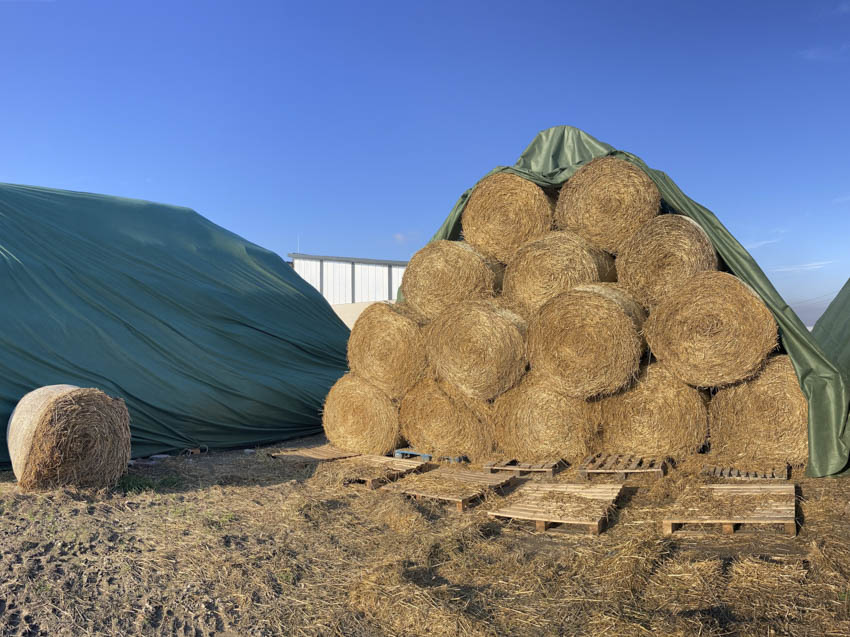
{"points": [[62, 435], [477, 347], [763, 421], [658, 416], [438, 419], [542, 269], [503, 212], [588, 340], [535, 423], [664, 253], [447, 272], [359, 417], [711, 331], [606, 202], [386, 347]]}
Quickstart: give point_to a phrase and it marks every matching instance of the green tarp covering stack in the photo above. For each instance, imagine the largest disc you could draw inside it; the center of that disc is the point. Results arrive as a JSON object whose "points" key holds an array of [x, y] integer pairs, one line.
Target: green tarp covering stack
{"points": [[211, 340], [556, 153]]}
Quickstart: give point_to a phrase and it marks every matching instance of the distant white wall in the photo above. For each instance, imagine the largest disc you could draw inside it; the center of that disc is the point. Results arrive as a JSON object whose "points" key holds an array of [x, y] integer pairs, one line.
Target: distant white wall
{"points": [[344, 281]]}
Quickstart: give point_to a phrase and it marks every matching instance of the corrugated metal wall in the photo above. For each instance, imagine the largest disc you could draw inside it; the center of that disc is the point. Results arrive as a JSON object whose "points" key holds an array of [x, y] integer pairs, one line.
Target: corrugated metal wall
{"points": [[369, 281]]}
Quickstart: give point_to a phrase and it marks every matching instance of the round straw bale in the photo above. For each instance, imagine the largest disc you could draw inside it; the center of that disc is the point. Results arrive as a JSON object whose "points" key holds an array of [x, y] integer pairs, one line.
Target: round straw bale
{"points": [[386, 347], [360, 417], [535, 423], [657, 416], [62, 435], [763, 420], [438, 419], [606, 201], [712, 330], [588, 340], [503, 212], [446, 272], [544, 268], [661, 255], [478, 347]]}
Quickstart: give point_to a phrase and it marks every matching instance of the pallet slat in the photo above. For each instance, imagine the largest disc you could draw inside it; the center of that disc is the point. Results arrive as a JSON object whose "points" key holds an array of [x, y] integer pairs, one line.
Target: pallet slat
{"points": [[314, 454], [621, 465]]}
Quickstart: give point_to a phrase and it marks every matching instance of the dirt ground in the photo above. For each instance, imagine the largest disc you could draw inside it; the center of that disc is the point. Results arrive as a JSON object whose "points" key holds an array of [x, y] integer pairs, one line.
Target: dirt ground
{"points": [[245, 544]]}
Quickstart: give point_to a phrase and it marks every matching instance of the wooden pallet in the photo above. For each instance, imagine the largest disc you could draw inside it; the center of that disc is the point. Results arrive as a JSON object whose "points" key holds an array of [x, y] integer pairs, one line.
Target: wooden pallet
{"points": [[622, 465], [479, 482], [531, 506], [388, 470], [427, 457], [314, 454], [783, 513], [783, 473], [520, 468]]}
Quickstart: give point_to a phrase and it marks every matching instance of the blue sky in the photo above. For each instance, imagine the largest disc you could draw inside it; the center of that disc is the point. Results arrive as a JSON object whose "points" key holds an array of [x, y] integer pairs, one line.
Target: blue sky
{"points": [[351, 128]]}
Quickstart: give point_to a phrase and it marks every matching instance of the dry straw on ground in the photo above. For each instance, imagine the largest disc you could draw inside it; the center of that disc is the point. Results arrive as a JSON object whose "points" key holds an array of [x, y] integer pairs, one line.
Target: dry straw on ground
{"points": [[436, 419], [503, 212], [588, 340], [535, 423], [62, 435], [447, 272], [763, 421], [360, 417], [663, 254], [685, 583], [606, 202], [542, 269], [658, 416], [478, 347], [387, 348], [713, 330]]}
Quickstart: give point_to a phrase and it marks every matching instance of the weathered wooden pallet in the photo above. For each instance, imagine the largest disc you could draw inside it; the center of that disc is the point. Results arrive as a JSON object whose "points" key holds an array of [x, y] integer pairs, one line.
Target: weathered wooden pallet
{"points": [[622, 465], [520, 468], [314, 454], [479, 482], [427, 457], [783, 473], [774, 513], [532, 506], [388, 469]]}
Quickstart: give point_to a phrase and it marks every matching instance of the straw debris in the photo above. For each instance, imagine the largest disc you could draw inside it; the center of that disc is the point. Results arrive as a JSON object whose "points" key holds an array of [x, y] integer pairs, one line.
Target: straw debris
{"points": [[606, 201], [588, 340], [360, 417], [663, 254], [503, 212], [713, 330], [447, 272], [542, 269], [763, 421]]}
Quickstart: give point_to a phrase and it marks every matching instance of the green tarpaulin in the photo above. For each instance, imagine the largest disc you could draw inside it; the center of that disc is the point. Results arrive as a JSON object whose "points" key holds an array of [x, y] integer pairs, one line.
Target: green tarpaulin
{"points": [[556, 153], [211, 340]]}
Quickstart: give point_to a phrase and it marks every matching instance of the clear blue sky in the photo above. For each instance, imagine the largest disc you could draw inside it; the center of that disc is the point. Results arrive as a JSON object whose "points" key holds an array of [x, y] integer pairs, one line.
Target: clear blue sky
{"points": [[355, 126]]}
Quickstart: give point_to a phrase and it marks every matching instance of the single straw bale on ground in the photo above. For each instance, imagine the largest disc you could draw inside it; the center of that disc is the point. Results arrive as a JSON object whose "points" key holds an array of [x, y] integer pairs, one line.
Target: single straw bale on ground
{"points": [[663, 254], [762, 421], [503, 212], [659, 416], [478, 347], [387, 348], [447, 272], [588, 340], [437, 419], [713, 330], [62, 435], [535, 423], [360, 417], [606, 202], [542, 269]]}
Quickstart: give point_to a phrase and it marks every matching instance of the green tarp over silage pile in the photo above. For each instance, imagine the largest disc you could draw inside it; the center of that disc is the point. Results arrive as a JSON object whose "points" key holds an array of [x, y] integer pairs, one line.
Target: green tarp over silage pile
{"points": [[211, 340], [553, 157]]}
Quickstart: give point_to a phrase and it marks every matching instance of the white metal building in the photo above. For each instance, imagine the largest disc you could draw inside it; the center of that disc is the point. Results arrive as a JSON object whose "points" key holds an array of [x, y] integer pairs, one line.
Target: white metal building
{"points": [[348, 279]]}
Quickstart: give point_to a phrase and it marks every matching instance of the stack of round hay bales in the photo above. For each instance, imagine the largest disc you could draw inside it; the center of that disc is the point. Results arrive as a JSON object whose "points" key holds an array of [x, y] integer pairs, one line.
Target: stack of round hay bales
{"points": [[62, 435], [601, 323]]}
